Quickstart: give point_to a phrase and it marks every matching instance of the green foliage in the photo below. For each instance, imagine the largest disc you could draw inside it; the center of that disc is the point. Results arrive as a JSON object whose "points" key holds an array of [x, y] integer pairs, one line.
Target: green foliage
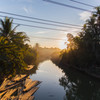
{"points": [[15, 54], [30, 56], [7, 30], [11, 59], [84, 49]]}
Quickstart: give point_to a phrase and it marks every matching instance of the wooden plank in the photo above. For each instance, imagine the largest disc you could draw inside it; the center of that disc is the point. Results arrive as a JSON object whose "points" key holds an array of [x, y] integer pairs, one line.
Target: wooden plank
{"points": [[19, 78], [10, 83], [27, 82], [10, 86], [20, 89], [13, 98], [32, 84], [15, 84], [8, 94], [27, 95], [29, 67], [31, 98], [3, 85], [2, 93]]}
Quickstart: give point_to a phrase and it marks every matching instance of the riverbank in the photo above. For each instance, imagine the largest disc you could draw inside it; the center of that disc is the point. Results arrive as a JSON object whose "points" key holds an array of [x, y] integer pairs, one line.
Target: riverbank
{"points": [[91, 72], [85, 71]]}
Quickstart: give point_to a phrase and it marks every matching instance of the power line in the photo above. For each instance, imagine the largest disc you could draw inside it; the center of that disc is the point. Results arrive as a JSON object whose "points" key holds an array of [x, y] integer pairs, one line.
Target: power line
{"points": [[82, 3], [42, 22], [37, 18], [48, 38], [40, 27], [65, 5]]}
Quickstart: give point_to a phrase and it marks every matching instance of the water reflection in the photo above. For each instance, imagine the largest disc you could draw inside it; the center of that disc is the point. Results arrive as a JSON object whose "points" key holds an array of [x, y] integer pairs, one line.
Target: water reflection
{"points": [[57, 85], [79, 87], [49, 89], [67, 85]]}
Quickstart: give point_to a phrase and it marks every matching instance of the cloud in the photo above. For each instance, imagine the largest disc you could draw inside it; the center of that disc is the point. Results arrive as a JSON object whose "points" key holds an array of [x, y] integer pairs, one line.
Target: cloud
{"points": [[27, 10], [41, 32], [73, 30], [84, 15]]}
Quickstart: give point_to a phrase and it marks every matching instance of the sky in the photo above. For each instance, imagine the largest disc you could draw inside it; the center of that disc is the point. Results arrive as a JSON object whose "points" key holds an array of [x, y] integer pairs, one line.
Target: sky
{"points": [[48, 11]]}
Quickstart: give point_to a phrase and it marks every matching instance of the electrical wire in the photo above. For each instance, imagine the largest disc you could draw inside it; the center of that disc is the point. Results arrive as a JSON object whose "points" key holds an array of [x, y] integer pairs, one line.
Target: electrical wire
{"points": [[47, 38], [82, 3], [40, 27], [38, 18], [42, 22], [65, 5]]}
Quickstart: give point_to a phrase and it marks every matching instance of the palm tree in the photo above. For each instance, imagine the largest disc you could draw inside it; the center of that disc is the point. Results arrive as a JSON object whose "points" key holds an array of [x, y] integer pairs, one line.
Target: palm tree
{"points": [[10, 33], [11, 49], [97, 14]]}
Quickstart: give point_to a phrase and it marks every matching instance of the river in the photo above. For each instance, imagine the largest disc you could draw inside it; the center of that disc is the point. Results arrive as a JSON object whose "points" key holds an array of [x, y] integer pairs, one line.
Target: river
{"points": [[59, 85]]}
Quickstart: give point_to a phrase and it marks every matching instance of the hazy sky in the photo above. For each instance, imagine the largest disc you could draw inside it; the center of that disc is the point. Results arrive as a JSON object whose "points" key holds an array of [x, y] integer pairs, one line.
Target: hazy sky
{"points": [[45, 10]]}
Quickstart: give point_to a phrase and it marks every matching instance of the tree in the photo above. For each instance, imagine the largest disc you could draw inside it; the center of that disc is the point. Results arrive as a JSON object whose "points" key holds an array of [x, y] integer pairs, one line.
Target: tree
{"points": [[11, 59], [8, 31], [84, 51], [37, 45], [15, 54]]}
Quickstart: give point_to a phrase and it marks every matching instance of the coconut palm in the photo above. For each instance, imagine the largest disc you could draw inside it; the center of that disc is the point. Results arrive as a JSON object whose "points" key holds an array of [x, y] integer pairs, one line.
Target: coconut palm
{"points": [[8, 31], [13, 50]]}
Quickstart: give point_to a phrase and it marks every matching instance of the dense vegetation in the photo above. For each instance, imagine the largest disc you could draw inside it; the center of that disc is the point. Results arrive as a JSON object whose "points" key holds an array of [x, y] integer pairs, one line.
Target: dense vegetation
{"points": [[83, 50], [15, 53]]}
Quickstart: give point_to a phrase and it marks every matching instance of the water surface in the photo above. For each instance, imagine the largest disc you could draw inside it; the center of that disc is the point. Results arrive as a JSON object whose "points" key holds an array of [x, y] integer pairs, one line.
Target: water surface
{"points": [[49, 89], [68, 85]]}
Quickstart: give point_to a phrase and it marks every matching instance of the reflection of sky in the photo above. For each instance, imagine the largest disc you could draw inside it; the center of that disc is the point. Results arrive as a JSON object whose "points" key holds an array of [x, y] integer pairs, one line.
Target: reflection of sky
{"points": [[44, 10], [51, 70], [49, 89], [75, 84]]}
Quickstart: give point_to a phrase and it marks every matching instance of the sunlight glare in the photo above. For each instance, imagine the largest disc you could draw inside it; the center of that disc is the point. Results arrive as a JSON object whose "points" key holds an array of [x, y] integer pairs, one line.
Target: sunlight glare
{"points": [[63, 45]]}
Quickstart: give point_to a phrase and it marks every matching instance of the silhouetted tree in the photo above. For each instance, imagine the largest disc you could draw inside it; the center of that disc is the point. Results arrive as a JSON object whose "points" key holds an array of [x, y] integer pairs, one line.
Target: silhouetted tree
{"points": [[83, 51]]}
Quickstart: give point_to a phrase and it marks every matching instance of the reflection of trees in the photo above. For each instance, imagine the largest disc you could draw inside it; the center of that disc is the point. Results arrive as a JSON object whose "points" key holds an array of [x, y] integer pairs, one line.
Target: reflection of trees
{"points": [[80, 87]]}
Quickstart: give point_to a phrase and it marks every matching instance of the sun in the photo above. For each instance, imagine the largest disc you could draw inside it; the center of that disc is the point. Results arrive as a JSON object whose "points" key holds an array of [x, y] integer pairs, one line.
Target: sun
{"points": [[63, 45]]}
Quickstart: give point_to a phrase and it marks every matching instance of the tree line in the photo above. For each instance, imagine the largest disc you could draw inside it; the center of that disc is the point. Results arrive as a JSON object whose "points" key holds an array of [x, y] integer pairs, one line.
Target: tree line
{"points": [[83, 50]]}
